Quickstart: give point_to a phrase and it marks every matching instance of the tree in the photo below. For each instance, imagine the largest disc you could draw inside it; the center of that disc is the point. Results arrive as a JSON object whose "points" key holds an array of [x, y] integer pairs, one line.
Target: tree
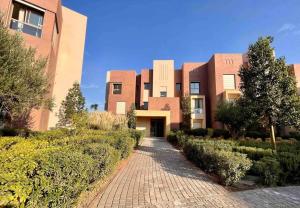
{"points": [[131, 117], [94, 107], [269, 88], [73, 104], [23, 84], [232, 116], [186, 112]]}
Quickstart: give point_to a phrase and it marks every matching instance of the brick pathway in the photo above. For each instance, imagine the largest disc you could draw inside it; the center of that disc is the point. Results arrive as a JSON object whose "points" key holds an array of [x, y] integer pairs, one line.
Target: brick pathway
{"points": [[157, 175]]}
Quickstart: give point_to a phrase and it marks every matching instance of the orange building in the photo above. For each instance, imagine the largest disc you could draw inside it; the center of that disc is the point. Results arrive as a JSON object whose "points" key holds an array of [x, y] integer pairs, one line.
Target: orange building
{"points": [[58, 34], [157, 92]]}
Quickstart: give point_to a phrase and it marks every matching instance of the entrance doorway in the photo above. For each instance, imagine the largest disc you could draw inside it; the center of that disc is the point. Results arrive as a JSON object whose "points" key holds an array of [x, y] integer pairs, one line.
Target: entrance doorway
{"points": [[157, 128]]}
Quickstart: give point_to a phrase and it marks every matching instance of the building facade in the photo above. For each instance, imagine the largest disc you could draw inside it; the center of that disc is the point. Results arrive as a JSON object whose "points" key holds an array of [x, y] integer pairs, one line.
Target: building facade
{"points": [[157, 92], [58, 34]]}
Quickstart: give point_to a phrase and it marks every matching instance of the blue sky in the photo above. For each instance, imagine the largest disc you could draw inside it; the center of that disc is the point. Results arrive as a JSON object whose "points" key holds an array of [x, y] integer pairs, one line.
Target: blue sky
{"points": [[129, 34]]}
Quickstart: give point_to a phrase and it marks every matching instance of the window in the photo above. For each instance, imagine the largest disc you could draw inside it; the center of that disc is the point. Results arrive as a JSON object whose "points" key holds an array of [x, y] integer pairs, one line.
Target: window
{"points": [[229, 81], [145, 106], [121, 108], [163, 94], [198, 103], [178, 86], [27, 20], [195, 88], [117, 89], [147, 86]]}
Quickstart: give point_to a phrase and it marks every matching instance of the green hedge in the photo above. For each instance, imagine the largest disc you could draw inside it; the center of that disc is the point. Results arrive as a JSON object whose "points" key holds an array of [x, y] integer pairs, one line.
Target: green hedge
{"points": [[229, 166], [197, 132], [221, 133], [53, 171], [254, 153]]}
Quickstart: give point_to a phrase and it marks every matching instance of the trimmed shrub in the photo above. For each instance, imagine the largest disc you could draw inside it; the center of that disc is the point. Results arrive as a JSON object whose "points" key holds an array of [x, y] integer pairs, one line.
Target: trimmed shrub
{"points": [[268, 169], [53, 171], [295, 135], [8, 132], [137, 135], [290, 166], [254, 153], [229, 166], [172, 138], [197, 132], [257, 134], [221, 133]]}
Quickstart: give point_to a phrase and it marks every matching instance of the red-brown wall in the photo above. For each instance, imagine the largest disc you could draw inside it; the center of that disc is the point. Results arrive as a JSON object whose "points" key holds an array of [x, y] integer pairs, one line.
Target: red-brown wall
{"points": [[167, 104], [128, 80]]}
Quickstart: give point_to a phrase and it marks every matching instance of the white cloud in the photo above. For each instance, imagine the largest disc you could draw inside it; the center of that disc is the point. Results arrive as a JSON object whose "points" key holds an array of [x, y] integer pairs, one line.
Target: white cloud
{"points": [[90, 86], [287, 27]]}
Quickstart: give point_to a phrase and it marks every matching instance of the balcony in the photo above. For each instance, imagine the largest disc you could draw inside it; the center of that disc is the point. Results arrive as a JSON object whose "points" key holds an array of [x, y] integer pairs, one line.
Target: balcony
{"points": [[197, 113], [26, 28]]}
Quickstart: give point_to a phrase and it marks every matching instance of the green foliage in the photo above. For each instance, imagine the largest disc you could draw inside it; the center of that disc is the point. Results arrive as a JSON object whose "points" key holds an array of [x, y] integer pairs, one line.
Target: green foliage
{"points": [[51, 169], [221, 133], [177, 138], [268, 88], [23, 84], [295, 135], [79, 122], [229, 166], [137, 135], [131, 117], [186, 112], [269, 170], [254, 153], [257, 134], [290, 167], [94, 107], [73, 103], [197, 132], [232, 116]]}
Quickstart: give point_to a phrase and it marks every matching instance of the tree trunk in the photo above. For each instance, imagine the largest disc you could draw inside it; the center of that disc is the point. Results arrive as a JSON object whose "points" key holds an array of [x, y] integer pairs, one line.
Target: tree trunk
{"points": [[273, 137]]}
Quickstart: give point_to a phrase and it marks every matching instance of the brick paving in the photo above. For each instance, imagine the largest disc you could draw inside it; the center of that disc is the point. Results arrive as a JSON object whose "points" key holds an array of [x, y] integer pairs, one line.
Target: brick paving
{"points": [[158, 175]]}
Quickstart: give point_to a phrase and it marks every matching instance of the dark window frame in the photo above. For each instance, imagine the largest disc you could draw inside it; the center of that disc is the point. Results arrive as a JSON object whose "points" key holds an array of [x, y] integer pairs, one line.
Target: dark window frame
{"points": [[117, 91], [148, 84], [192, 87], [180, 85], [27, 24], [163, 94], [145, 105]]}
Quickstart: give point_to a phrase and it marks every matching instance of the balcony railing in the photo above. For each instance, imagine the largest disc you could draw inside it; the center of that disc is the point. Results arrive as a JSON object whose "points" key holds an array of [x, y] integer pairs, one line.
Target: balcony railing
{"points": [[197, 111], [26, 28]]}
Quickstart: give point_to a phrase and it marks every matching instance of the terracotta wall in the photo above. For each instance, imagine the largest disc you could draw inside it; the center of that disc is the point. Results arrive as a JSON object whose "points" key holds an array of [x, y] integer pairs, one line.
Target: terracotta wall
{"points": [[70, 58], [219, 65], [178, 79], [168, 104], [128, 80]]}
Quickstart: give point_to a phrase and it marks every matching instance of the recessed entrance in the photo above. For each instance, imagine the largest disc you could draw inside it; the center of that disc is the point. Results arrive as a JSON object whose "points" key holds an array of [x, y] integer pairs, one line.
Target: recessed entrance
{"points": [[157, 128]]}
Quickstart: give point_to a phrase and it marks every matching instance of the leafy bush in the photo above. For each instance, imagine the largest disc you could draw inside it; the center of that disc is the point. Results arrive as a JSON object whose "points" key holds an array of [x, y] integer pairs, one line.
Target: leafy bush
{"points": [[197, 132], [229, 166], [254, 153], [177, 138], [268, 169], [52, 171], [295, 135], [290, 166], [257, 134], [14, 132], [221, 133], [137, 135]]}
